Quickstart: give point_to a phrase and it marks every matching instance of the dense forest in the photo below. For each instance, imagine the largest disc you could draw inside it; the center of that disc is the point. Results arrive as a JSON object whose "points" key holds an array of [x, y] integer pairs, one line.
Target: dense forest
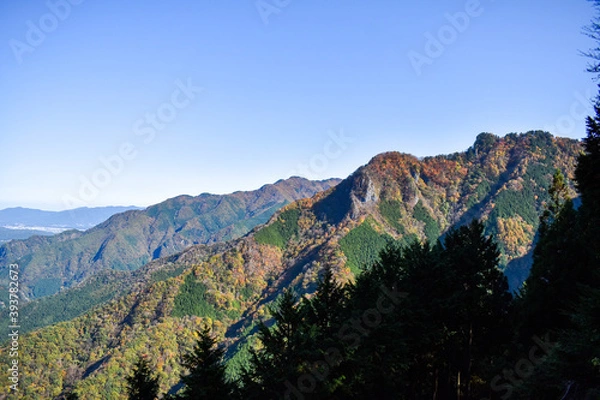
{"points": [[394, 203], [431, 319]]}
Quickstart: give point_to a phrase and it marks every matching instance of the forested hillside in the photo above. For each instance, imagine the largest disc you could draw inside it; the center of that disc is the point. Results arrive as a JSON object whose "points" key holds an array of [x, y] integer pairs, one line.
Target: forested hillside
{"points": [[130, 239], [394, 200]]}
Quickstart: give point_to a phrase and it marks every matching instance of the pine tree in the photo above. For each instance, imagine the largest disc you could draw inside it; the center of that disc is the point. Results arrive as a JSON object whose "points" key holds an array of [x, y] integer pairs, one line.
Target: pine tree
{"points": [[324, 307], [278, 360], [141, 384], [475, 306], [323, 315], [450, 306], [558, 266], [206, 378], [559, 200]]}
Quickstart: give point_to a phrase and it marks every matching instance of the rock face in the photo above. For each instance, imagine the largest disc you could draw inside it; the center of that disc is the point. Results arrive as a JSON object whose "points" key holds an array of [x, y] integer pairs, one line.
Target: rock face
{"points": [[128, 240], [364, 197]]}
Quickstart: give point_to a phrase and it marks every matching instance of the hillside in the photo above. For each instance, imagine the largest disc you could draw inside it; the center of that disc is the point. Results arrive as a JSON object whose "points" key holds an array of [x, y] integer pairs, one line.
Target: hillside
{"points": [[395, 197], [128, 240]]}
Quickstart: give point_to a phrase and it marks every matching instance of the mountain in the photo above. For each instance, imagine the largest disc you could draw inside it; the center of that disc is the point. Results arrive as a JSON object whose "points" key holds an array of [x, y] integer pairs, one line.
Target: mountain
{"points": [[8, 234], [228, 286], [78, 218], [22, 223], [128, 240]]}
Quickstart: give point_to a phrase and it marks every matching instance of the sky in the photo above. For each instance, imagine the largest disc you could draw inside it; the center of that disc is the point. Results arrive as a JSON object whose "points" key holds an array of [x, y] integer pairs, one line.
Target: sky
{"points": [[130, 103]]}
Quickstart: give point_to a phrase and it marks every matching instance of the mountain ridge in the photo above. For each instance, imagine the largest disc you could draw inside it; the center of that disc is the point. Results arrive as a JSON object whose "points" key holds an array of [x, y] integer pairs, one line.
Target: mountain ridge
{"points": [[82, 217], [394, 198], [130, 239]]}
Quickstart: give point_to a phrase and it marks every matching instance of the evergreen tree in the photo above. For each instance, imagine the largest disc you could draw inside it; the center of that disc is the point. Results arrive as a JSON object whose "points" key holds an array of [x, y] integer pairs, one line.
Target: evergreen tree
{"points": [[141, 384], [587, 173], [451, 304], [323, 308], [559, 200], [206, 378], [279, 358], [558, 266], [323, 316], [473, 311], [587, 177], [566, 277], [376, 360]]}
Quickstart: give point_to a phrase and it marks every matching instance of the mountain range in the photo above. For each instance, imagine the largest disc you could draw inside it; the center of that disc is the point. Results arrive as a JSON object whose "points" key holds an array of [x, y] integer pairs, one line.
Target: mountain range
{"points": [[22, 223], [130, 239], [396, 197]]}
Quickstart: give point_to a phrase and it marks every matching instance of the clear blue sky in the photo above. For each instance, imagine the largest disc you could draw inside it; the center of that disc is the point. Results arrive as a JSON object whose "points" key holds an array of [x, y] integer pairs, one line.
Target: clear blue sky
{"points": [[276, 85]]}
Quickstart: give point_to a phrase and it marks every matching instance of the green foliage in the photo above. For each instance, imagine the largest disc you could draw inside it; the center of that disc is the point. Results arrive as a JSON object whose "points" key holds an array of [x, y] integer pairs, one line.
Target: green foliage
{"points": [[510, 203], [142, 385], [482, 190], [432, 229], [485, 142], [450, 304], [436, 308], [540, 139], [562, 294], [392, 212], [238, 362], [362, 245], [163, 274], [129, 240], [278, 358], [206, 378], [398, 356], [246, 292], [246, 225], [407, 240], [68, 304], [47, 286], [191, 300], [281, 231], [479, 194], [540, 173]]}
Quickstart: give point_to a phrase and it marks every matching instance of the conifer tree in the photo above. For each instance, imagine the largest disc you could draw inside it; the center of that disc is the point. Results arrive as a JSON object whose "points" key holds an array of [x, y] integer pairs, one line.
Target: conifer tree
{"points": [[141, 384], [324, 307], [206, 378], [551, 287], [475, 306], [566, 271], [278, 360]]}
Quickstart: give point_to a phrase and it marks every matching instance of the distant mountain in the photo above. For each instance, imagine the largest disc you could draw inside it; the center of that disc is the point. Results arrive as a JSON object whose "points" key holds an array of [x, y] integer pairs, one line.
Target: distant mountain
{"points": [[54, 221], [7, 234], [128, 240], [394, 198]]}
